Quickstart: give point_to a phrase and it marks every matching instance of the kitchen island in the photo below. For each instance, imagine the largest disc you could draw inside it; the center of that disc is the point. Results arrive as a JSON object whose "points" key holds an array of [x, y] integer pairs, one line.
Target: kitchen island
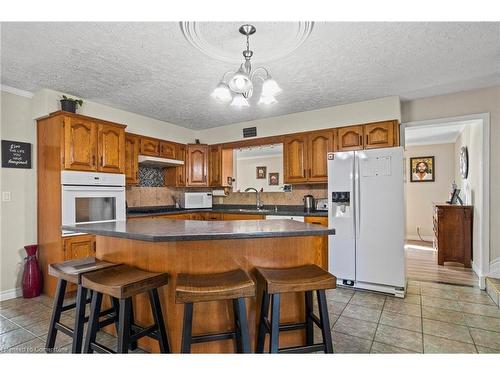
{"points": [[191, 246]]}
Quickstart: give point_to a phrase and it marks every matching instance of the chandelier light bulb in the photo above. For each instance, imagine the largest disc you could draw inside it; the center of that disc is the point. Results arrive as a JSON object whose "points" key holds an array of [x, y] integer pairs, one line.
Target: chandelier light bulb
{"points": [[240, 82], [270, 87], [267, 99], [239, 101], [222, 93]]}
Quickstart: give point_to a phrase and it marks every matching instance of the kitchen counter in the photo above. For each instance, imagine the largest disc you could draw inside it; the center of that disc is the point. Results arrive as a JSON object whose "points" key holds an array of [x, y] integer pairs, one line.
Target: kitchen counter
{"points": [[282, 210], [191, 230]]}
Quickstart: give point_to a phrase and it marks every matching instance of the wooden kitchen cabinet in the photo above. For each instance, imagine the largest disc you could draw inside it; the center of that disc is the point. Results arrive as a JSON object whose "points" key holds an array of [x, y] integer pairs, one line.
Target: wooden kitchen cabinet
{"points": [[227, 216], [80, 144], [76, 247], [320, 220], [111, 148], [132, 144], [176, 176], [150, 146], [318, 145], [214, 216], [379, 134], [220, 166], [196, 165], [295, 158], [167, 150], [350, 138]]}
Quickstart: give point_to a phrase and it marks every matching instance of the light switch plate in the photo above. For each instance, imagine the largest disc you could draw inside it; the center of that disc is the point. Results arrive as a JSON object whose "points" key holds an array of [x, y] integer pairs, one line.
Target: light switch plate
{"points": [[5, 196]]}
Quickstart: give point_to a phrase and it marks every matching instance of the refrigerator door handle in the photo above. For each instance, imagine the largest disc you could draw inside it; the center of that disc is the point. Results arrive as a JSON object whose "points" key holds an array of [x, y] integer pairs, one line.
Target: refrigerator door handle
{"points": [[357, 201]]}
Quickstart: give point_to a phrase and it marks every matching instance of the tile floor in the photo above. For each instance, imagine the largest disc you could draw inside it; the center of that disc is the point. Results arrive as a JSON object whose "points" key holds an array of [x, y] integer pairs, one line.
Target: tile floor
{"points": [[433, 318]]}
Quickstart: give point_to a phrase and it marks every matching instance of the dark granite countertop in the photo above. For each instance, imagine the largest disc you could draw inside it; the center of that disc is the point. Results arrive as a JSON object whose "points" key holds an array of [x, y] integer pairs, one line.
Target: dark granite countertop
{"points": [[189, 230], [238, 209]]}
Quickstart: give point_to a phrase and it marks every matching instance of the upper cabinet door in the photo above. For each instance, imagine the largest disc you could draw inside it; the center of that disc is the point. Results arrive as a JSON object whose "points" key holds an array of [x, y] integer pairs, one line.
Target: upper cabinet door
{"points": [[295, 158], [79, 144], [131, 159], [167, 150], [215, 166], [318, 146], [150, 147], [380, 134], [111, 148], [197, 165], [181, 170], [350, 138]]}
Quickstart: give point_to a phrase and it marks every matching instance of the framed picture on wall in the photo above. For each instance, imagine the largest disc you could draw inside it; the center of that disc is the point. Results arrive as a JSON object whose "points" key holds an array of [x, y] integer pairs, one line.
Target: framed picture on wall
{"points": [[261, 172], [274, 179], [422, 169]]}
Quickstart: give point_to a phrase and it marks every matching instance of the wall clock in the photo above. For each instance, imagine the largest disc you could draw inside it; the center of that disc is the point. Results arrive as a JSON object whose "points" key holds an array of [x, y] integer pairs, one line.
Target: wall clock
{"points": [[464, 162]]}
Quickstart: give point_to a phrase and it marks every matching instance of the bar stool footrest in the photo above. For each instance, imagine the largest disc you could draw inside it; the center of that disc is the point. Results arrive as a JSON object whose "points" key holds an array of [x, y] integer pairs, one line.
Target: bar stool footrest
{"points": [[213, 337], [64, 329], [139, 332], [101, 348], [303, 349]]}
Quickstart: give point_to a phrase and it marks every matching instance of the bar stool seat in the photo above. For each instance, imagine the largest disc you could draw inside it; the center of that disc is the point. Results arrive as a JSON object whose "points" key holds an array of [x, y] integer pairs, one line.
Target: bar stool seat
{"points": [[305, 279], [296, 279], [213, 287], [232, 285], [72, 271], [122, 283]]}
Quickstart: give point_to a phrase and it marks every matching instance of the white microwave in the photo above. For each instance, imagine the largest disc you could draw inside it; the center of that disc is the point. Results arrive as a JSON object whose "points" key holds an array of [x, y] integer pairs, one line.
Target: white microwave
{"points": [[196, 200], [89, 197]]}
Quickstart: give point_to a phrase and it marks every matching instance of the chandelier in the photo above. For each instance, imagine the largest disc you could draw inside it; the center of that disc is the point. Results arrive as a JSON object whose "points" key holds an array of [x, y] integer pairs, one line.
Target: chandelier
{"points": [[237, 87]]}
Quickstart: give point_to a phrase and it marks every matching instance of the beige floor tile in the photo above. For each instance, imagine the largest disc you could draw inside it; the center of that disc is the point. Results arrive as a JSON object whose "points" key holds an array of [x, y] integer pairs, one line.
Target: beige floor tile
{"points": [[412, 323], [484, 299], [361, 312], [381, 348], [447, 330], [483, 322], [35, 346], [480, 309], [355, 327], [411, 282], [40, 328], [486, 338], [433, 344], [443, 315], [439, 293], [14, 338], [441, 303], [414, 299], [339, 295], [401, 307], [40, 314], [343, 343], [485, 350], [6, 326], [371, 300], [413, 289], [430, 284], [399, 337]]}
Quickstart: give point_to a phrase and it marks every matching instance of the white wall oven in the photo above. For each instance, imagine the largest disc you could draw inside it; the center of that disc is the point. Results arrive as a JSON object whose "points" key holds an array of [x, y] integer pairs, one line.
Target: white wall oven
{"points": [[89, 197]]}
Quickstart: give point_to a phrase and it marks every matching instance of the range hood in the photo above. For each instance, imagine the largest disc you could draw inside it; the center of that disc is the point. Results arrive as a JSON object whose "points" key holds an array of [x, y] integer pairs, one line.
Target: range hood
{"points": [[153, 161]]}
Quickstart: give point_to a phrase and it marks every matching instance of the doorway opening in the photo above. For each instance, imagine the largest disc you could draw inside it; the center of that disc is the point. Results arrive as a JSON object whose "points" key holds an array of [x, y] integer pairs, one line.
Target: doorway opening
{"points": [[435, 167]]}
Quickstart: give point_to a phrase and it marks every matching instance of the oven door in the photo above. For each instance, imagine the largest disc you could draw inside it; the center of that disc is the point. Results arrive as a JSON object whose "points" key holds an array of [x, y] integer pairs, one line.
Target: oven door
{"points": [[92, 204]]}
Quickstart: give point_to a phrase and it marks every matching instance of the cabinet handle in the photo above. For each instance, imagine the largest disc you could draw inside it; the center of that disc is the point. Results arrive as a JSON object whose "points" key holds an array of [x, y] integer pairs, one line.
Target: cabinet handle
{"points": [[93, 159], [360, 139], [102, 158], [367, 139], [309, 172], [305, 175]]}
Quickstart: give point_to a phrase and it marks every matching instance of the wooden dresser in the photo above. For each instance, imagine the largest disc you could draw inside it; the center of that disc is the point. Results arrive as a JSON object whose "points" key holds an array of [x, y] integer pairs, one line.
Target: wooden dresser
{"points": [[453, 233]]}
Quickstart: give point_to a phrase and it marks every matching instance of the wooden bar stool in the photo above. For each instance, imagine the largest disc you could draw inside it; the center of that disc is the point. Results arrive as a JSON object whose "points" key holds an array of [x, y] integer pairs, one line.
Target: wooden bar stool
{"points": [[72, 271], [233, 285], [306, 279], [122, 283]]}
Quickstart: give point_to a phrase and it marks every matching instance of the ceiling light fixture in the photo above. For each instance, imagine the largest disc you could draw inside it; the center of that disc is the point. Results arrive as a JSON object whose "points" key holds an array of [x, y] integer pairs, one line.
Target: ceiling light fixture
{"points": [[237, 87]]}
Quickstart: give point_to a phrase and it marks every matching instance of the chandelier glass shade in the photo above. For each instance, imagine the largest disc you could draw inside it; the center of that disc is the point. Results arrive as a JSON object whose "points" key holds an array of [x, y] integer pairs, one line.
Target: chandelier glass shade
{"points": [[237, 87]]}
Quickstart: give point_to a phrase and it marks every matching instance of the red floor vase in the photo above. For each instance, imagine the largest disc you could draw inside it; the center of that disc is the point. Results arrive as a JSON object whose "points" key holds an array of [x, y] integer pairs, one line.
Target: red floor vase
{"points": [[32, 276]]}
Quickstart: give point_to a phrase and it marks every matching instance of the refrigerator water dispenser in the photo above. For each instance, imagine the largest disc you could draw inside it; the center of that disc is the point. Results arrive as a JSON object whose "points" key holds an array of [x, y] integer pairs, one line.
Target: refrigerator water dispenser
{"points": [[341, 203]]}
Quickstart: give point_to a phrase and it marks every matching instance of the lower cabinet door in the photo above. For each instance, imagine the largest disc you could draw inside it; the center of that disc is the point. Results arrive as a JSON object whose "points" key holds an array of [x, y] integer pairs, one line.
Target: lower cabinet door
{"points": [[76, 247]]}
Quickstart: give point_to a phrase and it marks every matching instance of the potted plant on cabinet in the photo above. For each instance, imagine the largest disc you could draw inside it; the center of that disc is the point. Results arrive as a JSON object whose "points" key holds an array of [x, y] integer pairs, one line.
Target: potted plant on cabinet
{"points": [[69, 104]]}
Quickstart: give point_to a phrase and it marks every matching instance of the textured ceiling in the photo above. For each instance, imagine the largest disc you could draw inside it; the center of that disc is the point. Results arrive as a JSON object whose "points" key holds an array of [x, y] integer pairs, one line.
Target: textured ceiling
{"points": [[151, 69]]}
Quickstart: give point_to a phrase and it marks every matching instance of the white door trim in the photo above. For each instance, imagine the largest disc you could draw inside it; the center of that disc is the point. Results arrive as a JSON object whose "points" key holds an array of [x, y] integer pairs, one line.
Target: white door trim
{"points": [[483, 268]]}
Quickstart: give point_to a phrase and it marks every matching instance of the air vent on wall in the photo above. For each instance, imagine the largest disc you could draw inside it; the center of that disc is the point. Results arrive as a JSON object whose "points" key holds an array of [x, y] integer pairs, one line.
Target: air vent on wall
{"points": [[250, 132]]}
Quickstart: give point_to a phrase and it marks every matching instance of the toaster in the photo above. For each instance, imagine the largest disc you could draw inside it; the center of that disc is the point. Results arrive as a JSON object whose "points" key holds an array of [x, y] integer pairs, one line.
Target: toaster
{"points": [[322, 204]]}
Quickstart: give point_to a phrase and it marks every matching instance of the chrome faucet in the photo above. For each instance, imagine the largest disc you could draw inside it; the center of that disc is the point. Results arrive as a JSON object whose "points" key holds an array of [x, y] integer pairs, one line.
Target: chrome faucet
{"points": [[258, 202]]}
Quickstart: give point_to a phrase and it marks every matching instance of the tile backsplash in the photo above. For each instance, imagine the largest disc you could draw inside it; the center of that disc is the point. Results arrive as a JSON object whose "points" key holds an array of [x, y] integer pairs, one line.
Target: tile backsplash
{"points": [[151, 177], [165, 196]]}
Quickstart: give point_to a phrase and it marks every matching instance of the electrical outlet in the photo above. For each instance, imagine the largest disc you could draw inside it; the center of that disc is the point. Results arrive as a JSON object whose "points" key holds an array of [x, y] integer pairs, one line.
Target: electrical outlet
{"points": [[5, 196]]}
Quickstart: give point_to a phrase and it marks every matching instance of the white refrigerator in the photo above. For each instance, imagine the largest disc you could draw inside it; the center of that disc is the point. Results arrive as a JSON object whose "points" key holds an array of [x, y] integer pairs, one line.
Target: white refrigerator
{"points": [[367, 209]]}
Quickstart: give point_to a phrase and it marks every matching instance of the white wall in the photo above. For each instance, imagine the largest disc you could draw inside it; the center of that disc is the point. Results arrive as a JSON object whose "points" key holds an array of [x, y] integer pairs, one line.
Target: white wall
{"points": [[420, 196], [349, 114], [472, 138], [18, 217], [461, 104], [246, 175]]}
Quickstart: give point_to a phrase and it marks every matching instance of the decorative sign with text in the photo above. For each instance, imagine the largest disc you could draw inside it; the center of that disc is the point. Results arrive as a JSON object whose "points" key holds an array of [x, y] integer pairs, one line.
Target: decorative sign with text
{"points": [[16, 154]]}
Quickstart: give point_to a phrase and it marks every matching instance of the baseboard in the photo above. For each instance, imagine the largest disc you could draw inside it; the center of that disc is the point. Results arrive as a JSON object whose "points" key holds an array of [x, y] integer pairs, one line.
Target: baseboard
{"points": [[414, 237], [495, 269], [10, 294]]}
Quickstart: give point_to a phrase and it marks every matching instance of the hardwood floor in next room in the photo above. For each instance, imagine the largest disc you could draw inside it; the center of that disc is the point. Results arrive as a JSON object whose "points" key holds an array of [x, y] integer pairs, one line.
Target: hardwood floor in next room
{"points": [[421, 264]]}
